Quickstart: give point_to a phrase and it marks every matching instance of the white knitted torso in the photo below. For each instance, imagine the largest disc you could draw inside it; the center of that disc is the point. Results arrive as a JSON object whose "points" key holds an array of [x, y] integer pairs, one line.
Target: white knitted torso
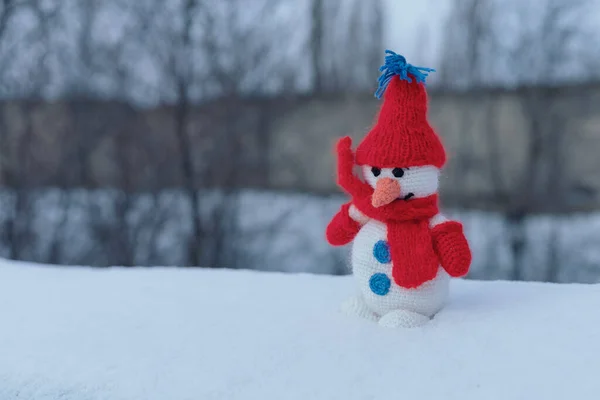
{"points": [[427, 299]]}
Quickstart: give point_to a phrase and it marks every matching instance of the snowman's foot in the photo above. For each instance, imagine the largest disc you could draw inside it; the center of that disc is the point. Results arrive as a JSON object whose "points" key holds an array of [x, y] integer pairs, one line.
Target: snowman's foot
{"points": [[356, 306], [403, 319]]}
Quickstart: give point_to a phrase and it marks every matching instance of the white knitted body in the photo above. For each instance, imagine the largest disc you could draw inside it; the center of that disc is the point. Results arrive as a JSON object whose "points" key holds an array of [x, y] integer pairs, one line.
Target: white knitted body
{"points": [[388, 303], [426, 299]]}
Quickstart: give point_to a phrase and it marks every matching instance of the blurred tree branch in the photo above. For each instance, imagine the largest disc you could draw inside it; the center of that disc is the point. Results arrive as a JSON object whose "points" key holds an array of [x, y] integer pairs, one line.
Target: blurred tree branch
{"points": [[532, 44]]}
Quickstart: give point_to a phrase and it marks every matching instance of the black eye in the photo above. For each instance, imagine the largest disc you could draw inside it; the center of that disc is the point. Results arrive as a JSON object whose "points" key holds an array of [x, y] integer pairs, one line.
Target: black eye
{"points": [[398, 172], [376, 171]]}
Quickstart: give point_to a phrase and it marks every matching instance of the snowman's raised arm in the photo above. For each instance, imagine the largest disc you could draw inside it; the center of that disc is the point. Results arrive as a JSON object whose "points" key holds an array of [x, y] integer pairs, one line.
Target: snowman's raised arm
{"points": [[346, 178], [450, 245]]}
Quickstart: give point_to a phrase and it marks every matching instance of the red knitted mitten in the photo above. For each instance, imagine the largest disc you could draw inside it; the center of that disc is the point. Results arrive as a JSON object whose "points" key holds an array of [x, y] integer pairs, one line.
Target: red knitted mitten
{"points": [[342, 229], [452, 248]]}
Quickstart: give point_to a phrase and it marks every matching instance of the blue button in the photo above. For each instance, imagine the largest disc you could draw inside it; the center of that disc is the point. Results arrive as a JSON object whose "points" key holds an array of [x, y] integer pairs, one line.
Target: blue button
{"points": [[381, 252], [380, 284]]}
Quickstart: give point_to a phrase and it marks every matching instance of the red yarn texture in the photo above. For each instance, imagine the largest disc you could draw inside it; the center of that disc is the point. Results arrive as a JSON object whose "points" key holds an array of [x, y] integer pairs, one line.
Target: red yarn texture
{"points": [[342, 229], [402, 136], [452, 248]]}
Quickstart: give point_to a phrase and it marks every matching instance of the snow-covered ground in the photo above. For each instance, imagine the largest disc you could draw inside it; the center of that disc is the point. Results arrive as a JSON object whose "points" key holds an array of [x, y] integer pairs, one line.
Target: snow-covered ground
{"points": [[79, 333]]}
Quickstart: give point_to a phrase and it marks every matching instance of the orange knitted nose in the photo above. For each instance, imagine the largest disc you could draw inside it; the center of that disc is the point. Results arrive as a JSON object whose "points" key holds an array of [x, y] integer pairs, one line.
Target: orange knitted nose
{"points": [[386, 191]]}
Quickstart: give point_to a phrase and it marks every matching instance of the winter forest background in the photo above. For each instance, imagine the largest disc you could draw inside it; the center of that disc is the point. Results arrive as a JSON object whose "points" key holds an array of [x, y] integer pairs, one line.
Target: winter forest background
{"points": [[200, 132]]}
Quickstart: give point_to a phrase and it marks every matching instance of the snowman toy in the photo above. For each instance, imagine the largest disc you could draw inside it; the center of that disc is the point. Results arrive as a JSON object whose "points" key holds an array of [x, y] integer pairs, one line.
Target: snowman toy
{"points": [[404, 252]]}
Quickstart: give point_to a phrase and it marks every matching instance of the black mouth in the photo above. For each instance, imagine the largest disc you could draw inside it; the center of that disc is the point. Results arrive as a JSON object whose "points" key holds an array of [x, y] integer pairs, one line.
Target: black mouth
{"points": [[408, 196]]}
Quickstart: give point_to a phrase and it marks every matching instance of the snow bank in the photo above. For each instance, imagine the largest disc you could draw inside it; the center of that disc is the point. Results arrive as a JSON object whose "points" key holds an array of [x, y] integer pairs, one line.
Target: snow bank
{"points": [[78, 333]]}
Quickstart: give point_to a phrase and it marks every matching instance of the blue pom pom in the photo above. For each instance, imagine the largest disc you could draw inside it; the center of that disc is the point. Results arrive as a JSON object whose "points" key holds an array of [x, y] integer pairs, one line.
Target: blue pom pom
{"points": [[395, 64], [379, 284]]}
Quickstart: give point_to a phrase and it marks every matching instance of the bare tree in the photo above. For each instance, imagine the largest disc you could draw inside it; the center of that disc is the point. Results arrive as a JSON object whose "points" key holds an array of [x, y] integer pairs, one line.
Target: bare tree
{"points": [[17, 154], [199, 60], [316, 43], [6, 168], [336, 27], [209, 66], [251, 59], [493, 43]]}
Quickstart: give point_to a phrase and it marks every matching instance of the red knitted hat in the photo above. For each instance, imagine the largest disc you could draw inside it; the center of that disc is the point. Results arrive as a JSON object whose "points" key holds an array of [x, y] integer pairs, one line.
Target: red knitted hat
{"points": [[402, 137]]}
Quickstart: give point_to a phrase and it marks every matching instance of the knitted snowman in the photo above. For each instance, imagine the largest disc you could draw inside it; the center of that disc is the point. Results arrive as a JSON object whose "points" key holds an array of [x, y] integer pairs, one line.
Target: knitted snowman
{"points": [[404, 251]]}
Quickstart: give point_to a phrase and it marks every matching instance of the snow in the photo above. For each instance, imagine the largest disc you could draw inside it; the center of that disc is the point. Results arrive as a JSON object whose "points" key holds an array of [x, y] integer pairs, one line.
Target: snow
{"points": [[82, 333]]}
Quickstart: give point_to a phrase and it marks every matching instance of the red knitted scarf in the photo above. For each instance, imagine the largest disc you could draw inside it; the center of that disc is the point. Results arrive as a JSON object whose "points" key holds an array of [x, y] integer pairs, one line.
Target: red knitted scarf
{"points": [[414, 261]]}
